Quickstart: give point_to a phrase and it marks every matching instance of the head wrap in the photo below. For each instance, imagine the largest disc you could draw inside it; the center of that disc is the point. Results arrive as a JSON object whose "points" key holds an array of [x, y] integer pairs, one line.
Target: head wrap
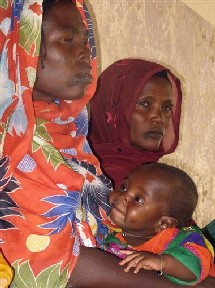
{"points": [[20, 34], [119, 87], [52, 190]]}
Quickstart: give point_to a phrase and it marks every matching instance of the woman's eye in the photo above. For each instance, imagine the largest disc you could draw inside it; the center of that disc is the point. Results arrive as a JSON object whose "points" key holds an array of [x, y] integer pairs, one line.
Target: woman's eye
{"points": [[139, 200], [168, 107], [86, 38], [68, 39], [143, 103], [86, 41]]}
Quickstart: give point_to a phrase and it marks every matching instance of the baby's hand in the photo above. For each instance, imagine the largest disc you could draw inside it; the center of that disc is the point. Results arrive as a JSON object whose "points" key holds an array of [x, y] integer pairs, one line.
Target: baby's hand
{"points": [[138, 260]]}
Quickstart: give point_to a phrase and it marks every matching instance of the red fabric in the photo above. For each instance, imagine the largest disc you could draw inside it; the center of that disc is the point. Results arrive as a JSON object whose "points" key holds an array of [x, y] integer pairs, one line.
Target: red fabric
{"points": [[119, 87]]}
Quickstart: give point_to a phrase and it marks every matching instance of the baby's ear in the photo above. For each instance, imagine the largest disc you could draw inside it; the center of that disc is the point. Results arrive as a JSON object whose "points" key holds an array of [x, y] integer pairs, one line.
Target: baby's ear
{"points": [[166, 222]]}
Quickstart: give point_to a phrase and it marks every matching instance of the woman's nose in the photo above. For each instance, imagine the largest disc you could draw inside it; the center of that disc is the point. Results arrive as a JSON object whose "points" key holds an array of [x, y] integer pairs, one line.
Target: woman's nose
{"points": [[156, 115], [84, 54]]}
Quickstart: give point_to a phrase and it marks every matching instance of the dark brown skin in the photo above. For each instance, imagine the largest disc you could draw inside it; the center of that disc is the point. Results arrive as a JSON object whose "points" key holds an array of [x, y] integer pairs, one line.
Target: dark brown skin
{"points": [[152, 114], [64, 65], [91, 272]]}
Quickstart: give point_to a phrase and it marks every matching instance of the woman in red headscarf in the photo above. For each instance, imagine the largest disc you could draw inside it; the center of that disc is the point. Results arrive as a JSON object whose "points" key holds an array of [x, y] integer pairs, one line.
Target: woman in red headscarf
{"points": [[135, 115]]}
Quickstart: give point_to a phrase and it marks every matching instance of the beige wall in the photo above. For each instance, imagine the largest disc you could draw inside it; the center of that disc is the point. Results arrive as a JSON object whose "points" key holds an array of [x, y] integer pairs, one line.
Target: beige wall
{"points": [[205, 8], [172, 34]]}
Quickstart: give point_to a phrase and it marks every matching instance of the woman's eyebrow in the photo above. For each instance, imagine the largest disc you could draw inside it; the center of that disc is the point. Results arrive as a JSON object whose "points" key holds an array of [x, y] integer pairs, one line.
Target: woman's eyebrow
{"points": [[74, 30], [69, 28]]}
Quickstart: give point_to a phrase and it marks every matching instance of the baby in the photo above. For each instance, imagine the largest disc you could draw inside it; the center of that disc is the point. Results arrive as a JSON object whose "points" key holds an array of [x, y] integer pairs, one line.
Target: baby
{"points": [[152, 208]]}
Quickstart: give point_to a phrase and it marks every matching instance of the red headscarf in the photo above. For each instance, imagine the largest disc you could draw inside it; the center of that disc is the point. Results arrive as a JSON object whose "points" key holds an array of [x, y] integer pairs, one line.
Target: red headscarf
{"points": [[119, 88]]}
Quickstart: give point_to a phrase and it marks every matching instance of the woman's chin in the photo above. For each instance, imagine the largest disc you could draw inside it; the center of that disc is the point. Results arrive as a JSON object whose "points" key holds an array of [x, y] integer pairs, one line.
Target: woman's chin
{"points": [[77, 93], [153, 147]]}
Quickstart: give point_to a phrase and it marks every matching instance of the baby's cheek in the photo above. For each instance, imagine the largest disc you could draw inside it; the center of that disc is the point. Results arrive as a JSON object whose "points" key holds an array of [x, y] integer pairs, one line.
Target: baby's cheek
{"points": [[112, 196]]}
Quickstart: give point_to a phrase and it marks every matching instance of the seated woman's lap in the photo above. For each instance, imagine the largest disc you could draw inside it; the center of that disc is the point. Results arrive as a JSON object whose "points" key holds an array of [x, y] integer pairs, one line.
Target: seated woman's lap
{"points": [[98, 269]]}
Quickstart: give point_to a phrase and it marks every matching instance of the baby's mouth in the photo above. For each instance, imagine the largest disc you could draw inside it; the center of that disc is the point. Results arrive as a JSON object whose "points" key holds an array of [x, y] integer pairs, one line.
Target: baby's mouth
{"points": [[116, 208]]}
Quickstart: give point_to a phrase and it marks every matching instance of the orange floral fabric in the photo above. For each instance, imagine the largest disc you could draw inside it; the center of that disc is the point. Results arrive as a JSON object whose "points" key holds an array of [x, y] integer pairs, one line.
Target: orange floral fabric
{"points": [[53, 194]]}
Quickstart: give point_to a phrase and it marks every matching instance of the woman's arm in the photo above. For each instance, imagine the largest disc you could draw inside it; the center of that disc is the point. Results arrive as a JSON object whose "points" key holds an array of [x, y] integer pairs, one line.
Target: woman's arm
{"points": [[98, 269]]}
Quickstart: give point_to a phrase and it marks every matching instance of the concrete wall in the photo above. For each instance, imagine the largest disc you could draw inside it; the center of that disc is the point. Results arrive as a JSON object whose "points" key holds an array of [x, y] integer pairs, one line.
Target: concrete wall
{"points": [[205, 8]]}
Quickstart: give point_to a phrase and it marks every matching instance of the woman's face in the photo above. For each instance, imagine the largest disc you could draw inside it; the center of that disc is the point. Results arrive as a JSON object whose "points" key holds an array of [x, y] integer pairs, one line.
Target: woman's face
{"points": [[152, 114], [64, 65]]}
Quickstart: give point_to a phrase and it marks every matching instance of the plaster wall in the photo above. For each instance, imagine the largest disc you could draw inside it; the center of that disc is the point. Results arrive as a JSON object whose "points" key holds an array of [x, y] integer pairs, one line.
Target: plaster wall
{"points": [[170, 33], [205, 8]]}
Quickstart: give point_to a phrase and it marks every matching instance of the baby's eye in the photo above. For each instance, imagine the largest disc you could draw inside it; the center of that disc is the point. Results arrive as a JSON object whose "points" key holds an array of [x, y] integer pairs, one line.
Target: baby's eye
{"points": [[122, 187], [139, 199]]}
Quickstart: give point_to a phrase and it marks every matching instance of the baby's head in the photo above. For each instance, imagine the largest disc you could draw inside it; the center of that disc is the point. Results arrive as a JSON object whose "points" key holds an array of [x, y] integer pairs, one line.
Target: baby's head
{"points": [[153, 197]]}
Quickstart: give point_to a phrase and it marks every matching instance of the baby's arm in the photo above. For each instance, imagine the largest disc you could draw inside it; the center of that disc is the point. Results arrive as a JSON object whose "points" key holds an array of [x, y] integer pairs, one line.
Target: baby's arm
{"points": [[162, 263]]}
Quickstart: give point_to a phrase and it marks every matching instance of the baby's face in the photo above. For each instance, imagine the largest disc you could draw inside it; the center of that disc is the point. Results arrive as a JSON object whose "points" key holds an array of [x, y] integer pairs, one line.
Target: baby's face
{"points": [[141, 200]]}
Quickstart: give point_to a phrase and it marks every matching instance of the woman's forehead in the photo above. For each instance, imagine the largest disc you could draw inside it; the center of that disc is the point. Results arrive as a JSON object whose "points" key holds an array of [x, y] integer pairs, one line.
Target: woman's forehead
{"points": [[64, 16]]}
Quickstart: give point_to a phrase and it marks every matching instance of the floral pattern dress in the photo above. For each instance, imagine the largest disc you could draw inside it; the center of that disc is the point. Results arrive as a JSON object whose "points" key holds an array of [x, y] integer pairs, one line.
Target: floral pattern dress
{"points": [[53, 194]]}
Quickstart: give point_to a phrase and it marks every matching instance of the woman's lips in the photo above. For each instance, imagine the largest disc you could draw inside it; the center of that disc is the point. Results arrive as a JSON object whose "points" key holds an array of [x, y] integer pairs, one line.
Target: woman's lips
{"points": [[154, 134], [83, 78]]}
